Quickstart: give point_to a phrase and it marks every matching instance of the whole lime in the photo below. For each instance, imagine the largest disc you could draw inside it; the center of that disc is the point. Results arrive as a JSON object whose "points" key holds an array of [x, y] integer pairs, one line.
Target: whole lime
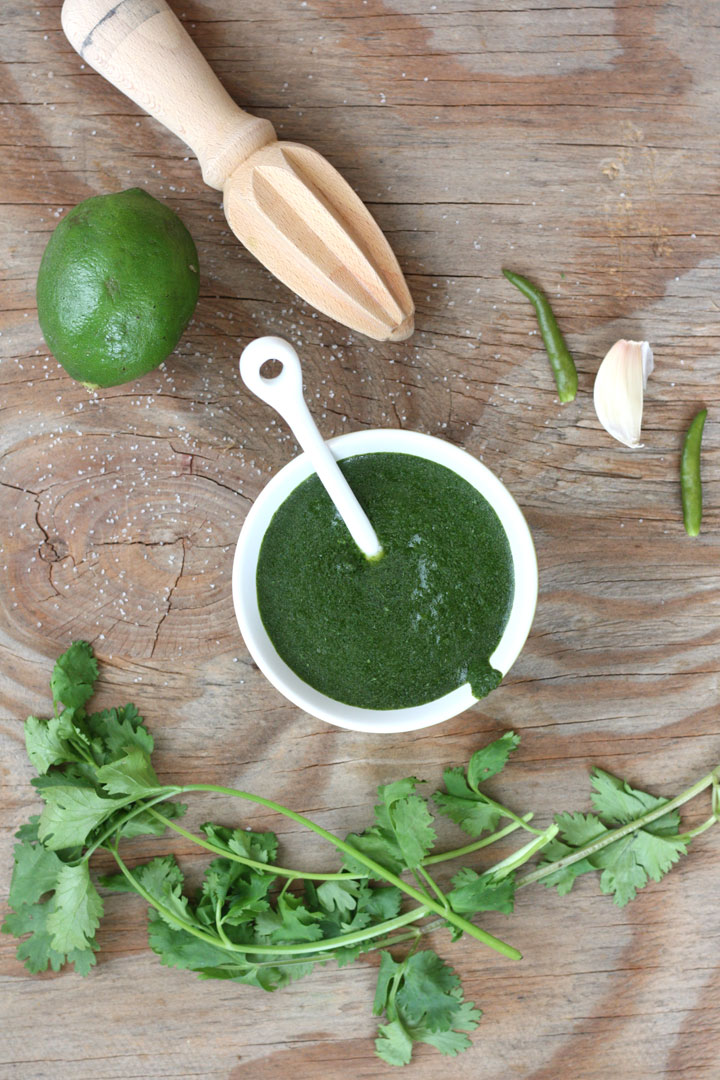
{"points": [[117, 285]]}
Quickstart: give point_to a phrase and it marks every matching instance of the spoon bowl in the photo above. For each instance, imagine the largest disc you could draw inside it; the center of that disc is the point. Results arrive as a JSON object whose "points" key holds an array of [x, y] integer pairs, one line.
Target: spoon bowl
{"points": [[247, 552]]}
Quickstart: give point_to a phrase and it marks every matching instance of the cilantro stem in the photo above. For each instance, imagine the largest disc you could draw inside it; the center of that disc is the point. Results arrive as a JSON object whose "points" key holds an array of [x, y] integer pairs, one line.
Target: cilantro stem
{"points": [[435, 888], [378, 871], [617, 834], [459, 853], [414, 934], [268, 868], [512, 862], [82, 752], [285, 887], [410, 935], [421, 883], [521, 822], [302, 948], [691, 833], [219, 927]]}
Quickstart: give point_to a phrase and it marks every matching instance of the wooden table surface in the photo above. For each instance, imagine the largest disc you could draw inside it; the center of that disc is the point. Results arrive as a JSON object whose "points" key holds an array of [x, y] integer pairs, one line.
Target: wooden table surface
{"points": [[578, 143]]}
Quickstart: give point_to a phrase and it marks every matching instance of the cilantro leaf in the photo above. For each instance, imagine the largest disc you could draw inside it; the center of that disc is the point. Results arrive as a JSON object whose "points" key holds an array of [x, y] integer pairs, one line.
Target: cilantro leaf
{"points": [[412, 825], [623, 875], [402, 834], [454, 1041], [36, 951], [657, 854], [262, 847], [290, 922], [627, 864], [393, 1044], [237, 891], [77, 910], [35, 872], [129, 775], [424, 1002], [576, 830], [378, 844], [425, 994], [474, 892], [618, 804], [462, 801], [380, 901], [70, 814], [450, 1043], [115, 731], [144, 824], [244, 909], [467, 1016], [491, 759], [163, 879], [46, 741], [630, 862], [336, 896], [344, 906], [74, 675], [61, 928], [177, 948], [386, 973], [467, 808]]}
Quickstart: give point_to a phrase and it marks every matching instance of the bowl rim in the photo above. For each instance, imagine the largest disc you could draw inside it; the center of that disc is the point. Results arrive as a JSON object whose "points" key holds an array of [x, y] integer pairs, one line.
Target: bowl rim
{"points": [[244, 591]]}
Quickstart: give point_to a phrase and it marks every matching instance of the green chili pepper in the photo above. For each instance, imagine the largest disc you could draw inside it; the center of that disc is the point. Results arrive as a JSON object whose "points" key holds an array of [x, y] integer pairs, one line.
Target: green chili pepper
{"points": [[690, 475], [560, 359]]}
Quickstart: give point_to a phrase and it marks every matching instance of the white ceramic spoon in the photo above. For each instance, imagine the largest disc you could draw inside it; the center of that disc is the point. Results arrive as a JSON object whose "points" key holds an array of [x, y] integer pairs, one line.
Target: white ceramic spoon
{"points": [[284, 393]]}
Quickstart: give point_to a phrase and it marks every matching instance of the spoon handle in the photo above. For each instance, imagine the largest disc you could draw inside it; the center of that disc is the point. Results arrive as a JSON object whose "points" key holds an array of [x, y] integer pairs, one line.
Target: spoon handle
{"points": [[144, 50], [284, 392]]}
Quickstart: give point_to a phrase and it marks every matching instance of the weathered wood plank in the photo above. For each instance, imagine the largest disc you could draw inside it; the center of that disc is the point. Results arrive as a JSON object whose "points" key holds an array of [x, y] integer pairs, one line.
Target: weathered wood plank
{"points": [[577, 143]]}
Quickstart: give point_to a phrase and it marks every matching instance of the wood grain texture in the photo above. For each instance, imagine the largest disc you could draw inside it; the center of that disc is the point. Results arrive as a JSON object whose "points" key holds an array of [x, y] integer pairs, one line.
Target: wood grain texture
{"points": [[576, 143]]}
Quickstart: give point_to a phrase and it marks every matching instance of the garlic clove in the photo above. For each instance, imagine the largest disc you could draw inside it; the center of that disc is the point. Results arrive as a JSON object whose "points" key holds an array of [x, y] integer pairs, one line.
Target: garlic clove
{"points": [[618, 392]]}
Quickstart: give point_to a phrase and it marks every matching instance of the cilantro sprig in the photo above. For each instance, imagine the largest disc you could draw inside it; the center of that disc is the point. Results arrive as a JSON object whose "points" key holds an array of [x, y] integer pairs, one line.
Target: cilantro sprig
{"points": [[256, 921]]}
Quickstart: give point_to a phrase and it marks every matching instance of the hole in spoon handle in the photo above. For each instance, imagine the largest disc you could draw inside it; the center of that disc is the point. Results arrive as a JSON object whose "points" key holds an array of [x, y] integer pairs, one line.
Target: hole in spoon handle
{"points": [[284, 393], [284, 390]]}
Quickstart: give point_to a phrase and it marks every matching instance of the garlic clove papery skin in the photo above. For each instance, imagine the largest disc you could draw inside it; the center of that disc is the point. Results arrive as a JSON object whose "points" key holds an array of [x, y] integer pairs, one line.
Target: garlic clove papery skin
{"points": [[618, 391]]}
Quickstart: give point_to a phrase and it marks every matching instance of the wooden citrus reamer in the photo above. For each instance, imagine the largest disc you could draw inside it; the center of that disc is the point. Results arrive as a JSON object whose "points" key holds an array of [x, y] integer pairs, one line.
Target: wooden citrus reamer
{"points": [[284, 201]]}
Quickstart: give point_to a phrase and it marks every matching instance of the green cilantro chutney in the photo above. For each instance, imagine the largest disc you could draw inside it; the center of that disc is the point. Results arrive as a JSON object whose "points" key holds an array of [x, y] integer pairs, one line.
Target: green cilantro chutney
{"points": [[409, 627]]}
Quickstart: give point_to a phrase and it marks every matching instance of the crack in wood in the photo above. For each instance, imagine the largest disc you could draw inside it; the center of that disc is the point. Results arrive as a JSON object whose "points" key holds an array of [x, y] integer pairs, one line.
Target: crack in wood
{"points": [[168, 599]]}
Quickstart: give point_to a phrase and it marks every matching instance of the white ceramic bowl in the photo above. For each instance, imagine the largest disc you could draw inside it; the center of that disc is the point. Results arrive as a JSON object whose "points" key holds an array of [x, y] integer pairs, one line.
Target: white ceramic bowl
{"points": [[261, 648]]}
